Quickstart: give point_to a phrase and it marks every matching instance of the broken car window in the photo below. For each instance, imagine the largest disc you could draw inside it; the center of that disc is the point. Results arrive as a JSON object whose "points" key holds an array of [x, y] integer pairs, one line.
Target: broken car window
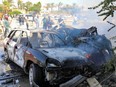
{"points": [[16, 35], [47, 40], [24, 39], [34, 40], [58, 41]]}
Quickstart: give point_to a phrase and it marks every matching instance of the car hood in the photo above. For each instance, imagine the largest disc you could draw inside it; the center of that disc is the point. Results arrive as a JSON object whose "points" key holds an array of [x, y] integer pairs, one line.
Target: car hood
{"points": [[62, 54]]}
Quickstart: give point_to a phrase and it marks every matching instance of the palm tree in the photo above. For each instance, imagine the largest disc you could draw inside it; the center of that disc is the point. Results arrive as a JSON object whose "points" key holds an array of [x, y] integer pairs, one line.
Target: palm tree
{"points": [[107, 8], [28, 5], [20, 4], [7, 4], [36, 7], [59, 5], [52, 6], [48, 6]]}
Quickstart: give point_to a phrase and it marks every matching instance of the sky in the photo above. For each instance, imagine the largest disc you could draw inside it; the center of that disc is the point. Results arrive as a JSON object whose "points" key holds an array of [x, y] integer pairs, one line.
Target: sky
{"points": [[79, 2]]}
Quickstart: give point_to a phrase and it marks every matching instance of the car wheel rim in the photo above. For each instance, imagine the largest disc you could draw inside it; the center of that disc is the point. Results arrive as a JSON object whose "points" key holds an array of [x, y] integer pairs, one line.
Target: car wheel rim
{"points": [[31, 76]]}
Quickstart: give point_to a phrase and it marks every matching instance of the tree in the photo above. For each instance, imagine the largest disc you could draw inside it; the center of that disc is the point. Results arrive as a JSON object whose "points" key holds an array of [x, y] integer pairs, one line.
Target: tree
{"points": [[19, 3], [107, 8], [48, 6], [7, 5], [16, 12], [52, 6], [28, 5], [59, 5], [36, 7], [1, 8]]}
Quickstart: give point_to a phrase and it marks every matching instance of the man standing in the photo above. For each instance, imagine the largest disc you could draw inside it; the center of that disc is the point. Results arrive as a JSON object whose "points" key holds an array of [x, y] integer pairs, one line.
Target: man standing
{"points": [[27, 22], [36, 19], [44, 23], [49, 23], [22, 19], [19, 20], [6, 25]]}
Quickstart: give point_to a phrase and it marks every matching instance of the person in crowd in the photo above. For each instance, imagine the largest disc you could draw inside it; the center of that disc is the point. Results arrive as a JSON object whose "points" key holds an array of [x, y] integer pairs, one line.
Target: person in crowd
{"points": [[61, 22], [44, 20], [36, 19], [6, 26], [27, 22], [10, 19], [19, 20], [49, 23], [22, 19]]}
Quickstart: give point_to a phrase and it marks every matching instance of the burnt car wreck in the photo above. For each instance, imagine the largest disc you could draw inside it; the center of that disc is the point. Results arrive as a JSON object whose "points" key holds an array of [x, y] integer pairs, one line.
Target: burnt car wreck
{"points": [[54, 57]]}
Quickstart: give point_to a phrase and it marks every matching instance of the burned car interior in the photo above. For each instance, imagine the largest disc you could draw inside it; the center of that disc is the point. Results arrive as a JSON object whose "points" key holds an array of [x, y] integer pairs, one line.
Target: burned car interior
{"points": [[46, 39], [41, 40]]}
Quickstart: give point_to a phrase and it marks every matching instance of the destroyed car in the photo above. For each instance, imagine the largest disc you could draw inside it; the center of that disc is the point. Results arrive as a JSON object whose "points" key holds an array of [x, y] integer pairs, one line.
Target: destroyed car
{"points": [[54, 57]]}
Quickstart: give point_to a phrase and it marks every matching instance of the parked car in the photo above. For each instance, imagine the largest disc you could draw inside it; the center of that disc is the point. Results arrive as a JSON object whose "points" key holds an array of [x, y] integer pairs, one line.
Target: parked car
{"points": [[54, 57]]}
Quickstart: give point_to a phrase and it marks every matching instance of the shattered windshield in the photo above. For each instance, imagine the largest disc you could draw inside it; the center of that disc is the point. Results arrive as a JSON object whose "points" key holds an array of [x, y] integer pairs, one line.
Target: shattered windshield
{"points": [[71, 35], [42, 40], [51, 40]]}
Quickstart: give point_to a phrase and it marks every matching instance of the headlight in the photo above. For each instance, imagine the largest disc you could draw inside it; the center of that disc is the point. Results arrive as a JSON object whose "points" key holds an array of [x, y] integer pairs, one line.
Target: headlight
{"points": [[53, 63]]}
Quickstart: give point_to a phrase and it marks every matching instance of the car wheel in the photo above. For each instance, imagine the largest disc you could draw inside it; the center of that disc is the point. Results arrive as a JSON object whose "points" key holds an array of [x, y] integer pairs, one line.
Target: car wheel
{"points": [[36, 76], [6, 56]]}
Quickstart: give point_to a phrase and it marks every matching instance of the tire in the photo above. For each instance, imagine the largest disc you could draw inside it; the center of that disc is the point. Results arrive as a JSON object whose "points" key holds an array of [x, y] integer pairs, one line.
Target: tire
{"points": [[36, 76], [6, 57]]}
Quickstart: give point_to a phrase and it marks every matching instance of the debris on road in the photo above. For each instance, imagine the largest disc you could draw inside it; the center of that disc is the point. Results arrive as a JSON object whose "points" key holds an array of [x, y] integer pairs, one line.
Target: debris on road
{"points": [[93, 82], [7, 76], [74, 82]]}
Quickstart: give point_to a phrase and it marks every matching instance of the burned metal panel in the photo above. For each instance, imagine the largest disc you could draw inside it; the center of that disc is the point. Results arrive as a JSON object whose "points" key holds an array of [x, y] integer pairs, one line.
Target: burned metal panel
{"points": [[99, 48], [35, 56], [62, 54], [88, 40]]}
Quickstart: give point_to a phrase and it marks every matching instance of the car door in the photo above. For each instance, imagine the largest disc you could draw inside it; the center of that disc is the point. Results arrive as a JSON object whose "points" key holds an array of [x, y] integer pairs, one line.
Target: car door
{"points": [[20, 49], [7, 39], [12, 42]]}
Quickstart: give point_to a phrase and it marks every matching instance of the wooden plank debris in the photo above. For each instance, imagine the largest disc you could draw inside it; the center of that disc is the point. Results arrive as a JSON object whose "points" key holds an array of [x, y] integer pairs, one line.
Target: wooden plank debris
{"points": [[93, 82]]}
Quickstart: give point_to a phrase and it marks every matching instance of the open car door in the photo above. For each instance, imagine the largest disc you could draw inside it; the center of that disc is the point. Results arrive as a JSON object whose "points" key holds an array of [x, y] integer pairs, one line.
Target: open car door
{"points": [[20, 49], [13, 39]]}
